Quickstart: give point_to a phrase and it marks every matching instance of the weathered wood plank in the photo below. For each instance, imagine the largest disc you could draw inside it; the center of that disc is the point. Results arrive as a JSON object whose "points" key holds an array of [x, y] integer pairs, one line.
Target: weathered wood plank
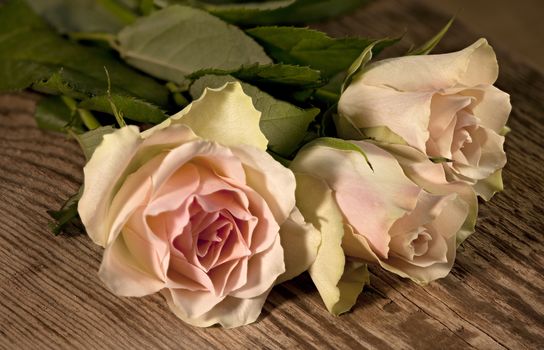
{"points": [[50, 296]]}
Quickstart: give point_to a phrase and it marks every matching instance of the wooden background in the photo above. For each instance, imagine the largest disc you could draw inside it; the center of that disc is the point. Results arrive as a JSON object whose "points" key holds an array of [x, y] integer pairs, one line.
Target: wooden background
{"points": [[50, 296]]}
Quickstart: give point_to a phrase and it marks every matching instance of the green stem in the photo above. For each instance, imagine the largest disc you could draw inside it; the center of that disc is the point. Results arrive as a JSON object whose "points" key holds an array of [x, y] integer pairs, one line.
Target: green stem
{"points": [[327, 96], [179, 99], [88, 119], [90, 36], [86, 116], [123, 14]]}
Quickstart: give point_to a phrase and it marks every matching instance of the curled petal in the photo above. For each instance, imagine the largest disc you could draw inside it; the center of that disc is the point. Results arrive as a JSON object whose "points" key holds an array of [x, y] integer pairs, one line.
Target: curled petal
{"points": [[316, 203], [225, 115], [123, 275], [474, 65], [275, 183], [229, 313], [102, 172], [300, 241]]}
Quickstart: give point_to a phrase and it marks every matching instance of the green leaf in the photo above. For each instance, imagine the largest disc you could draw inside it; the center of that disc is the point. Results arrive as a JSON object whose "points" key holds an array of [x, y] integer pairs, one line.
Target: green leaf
{"points": [[18, 75], [430, 45], [53, 114], [82, 15], [283, 124], [308, 47], [31, 52], [271, 75], [276, 12], [92, 139], [179, 40], [130, 107], [66, 214]]}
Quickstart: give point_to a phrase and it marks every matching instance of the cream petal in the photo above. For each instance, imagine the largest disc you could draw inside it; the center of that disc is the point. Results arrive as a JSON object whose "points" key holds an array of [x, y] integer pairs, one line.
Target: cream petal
{"points": [[194, 303], [263, 270], [315, 201], [274, 183], [177, 190], [370, 199], [423, 275], [185, 275], [428, 207], [300, 241], [220, 163], [231, 199], [493, 108], [136, 191], [443, 110], [436, 253], [491, 156], [351, 284], [439, 259], [474, 65], [356, 246], [443, 143], [405, 113], [217, 116], [486, 188], [123, 274], [102, 172], [231, 312], [431, 177], [151, 250]]}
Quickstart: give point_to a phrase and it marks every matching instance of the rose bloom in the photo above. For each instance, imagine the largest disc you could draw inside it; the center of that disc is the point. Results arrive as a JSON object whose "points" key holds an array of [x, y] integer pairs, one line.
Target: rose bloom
{"points": [[194, 218], [443, 105], [393, 209]]}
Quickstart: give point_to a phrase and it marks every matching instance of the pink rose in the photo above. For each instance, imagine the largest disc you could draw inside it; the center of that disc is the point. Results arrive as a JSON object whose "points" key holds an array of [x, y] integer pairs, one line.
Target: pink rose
{"points": [[443, 105], [401, 214], [193, 208]]}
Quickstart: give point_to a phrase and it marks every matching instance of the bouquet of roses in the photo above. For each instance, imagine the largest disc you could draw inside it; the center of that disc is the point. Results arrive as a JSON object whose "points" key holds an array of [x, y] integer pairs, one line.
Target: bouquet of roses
{"points": [[229, 150]]}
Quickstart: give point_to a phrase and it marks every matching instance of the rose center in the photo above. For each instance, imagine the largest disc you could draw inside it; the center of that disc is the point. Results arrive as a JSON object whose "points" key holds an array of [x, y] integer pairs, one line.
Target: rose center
{"points": [[420, 245], [412, 244], [213, 235]]}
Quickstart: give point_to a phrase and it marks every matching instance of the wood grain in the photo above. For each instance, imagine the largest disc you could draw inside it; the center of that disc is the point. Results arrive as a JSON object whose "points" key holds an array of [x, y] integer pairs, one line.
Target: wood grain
{"points": [[50, 296]]}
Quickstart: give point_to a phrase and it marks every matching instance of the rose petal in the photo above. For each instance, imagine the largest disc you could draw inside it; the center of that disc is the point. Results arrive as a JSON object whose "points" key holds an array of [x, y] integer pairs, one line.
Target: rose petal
{"points": [[405, 113], [431, 177], [316, 203], [491, 156], [123, 275], [175, 191], [274, 183], [217, 116], [492, 108], [428, 207], [263, 270], [486, 188], [183, 274], [300, 241], [474, 65], [231, 312], [194, 303], [359, 189], [102, 173]]}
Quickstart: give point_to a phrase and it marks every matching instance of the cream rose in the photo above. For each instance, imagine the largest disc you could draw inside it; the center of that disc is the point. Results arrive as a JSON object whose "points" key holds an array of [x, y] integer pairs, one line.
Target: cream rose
{"points": [[399, 213], [193, 208], [443, 105]]}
